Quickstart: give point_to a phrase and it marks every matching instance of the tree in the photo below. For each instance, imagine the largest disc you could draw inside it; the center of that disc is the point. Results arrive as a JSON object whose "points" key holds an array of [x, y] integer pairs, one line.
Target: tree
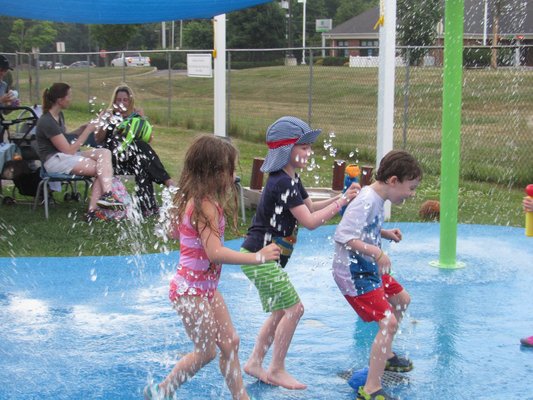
{"points": [[27, 34], [198, 35], [417, 21], [350, 8], [113, 37], [42, 35], [259, 27], [497, 8], [18, 35]]}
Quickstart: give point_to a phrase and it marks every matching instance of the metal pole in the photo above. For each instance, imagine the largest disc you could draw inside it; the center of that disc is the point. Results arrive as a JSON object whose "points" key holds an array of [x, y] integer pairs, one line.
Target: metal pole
{"points": [[37, 73], [310, 90], [485, 12], [451, 131], [124, 67], [303, 30], [220, 75], [228, 95], [163, 35], [172, 38], [169, 105], [88, 81], [386, 87], [406, 97], [181, 33], [17, 60]]}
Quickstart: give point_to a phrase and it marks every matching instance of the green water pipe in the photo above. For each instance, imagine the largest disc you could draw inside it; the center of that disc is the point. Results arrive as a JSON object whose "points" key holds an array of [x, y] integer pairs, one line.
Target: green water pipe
{"points": [[451, 131]]}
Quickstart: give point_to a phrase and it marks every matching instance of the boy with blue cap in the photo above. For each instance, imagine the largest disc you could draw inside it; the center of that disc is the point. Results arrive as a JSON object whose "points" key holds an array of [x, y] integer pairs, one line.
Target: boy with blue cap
{"points": [[284, 205]]}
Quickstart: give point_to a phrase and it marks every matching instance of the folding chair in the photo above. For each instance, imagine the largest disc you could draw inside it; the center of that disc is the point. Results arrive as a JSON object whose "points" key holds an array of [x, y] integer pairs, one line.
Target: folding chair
{"points": [[70, 179]]}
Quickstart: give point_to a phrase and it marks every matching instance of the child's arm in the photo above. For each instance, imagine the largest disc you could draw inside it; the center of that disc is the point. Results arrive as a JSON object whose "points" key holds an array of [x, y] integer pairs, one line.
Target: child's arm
{"points": [[312, 215], [219, 254], [392, 234], [528, 204], [350, 193], [380, 258]]}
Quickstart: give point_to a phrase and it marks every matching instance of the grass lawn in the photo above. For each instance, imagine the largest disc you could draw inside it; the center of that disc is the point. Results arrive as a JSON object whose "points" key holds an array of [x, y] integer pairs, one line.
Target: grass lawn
{"points": [[495, 153], [27, 233]]}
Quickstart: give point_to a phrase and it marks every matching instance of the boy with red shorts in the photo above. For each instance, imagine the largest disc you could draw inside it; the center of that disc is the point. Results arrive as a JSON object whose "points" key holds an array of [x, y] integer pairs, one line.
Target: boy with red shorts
{"points": [[361, 268]]}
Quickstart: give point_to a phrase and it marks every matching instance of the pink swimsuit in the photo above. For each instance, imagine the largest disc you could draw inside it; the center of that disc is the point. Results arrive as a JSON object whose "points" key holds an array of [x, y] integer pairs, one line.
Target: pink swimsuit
{"points": [[195, 275]]}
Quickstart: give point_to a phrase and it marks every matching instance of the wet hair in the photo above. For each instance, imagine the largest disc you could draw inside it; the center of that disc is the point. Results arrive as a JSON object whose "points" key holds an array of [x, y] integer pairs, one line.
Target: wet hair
{"points": [[208, 175], [53, 93], [126, 89], [398, 163]]}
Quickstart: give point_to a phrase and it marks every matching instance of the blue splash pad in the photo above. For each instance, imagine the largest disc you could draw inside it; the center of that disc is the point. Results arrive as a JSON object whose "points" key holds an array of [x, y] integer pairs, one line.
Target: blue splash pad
{"points": [[101, 327]]}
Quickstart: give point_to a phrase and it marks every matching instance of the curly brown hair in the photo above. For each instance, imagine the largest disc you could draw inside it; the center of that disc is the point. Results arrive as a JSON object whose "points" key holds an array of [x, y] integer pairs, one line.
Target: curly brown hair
{"points": [[208, 175]]}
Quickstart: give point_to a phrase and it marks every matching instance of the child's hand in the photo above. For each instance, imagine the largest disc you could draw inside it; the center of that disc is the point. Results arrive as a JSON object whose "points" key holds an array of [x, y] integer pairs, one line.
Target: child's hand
{"points": [[392, 234], [268, 253], [351, 192], [384, 264], [528, 204]]}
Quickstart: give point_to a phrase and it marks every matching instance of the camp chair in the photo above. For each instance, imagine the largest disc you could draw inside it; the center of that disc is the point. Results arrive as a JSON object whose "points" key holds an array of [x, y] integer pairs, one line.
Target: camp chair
{"points": [[69, 179]]}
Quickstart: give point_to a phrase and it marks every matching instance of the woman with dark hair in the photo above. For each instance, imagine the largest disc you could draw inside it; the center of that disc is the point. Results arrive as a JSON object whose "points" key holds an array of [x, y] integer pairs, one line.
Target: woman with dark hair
{"points": [[138, 158], [58, 155]]}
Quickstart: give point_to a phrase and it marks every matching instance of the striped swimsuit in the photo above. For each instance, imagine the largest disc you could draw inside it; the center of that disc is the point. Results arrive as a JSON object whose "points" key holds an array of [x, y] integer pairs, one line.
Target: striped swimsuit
{"points": [[195, 275]]}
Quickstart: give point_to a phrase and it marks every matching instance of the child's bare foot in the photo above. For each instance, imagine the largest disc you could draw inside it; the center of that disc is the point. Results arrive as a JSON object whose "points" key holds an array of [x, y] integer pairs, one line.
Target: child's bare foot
{"points": [[284, 379], [256, 370]]}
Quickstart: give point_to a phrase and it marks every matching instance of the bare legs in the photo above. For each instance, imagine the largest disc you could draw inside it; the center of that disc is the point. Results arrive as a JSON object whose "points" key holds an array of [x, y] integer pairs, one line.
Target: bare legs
{"points": [[278, 329], [381, 349], [209, 326], [96, 163]]}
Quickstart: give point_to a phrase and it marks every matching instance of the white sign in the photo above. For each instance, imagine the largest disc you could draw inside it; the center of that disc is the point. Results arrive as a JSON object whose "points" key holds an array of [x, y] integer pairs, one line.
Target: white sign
{"points": [[60, 47], [324, 25], [199, 65]]}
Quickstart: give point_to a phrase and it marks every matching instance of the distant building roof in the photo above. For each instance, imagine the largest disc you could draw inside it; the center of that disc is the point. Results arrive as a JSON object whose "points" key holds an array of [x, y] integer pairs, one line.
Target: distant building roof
{"points": [[362, 24], [516, 19]]}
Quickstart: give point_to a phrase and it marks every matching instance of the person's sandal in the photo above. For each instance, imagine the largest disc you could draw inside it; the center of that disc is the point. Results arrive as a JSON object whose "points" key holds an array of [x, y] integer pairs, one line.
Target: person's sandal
{"points": [[398, 364], [152, 392], [527, 341], [378, 395]]}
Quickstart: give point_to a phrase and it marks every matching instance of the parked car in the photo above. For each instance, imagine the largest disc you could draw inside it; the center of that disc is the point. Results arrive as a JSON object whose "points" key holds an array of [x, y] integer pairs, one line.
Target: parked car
{"points": [[130, 59], [82, 64], [59, 65], [46, 64]]}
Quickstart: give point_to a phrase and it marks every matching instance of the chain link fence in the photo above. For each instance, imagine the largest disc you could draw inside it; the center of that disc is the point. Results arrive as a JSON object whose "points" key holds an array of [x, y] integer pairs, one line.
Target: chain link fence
{"points": [[262, 85]]}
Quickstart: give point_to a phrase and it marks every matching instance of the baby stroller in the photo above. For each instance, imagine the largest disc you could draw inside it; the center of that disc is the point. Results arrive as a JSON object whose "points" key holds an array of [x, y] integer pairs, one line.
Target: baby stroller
{"points": [[24, 167], [21, 165]]}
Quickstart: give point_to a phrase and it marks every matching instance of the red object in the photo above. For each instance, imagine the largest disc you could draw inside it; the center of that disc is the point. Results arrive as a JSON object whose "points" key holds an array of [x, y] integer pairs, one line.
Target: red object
{"points": [[529, 190], [282, 142]]}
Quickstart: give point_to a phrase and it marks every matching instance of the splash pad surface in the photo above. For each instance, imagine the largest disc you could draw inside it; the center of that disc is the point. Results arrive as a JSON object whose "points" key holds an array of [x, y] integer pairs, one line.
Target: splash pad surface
{"points": [[102, 327]]}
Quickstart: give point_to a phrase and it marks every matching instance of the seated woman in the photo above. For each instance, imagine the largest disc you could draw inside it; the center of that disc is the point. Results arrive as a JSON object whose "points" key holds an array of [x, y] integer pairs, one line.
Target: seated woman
{"points": [[139, 158], [58, 155]]}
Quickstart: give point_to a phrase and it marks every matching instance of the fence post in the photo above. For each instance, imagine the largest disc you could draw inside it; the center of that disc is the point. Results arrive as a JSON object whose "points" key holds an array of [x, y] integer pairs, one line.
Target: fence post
{"points": [[338, 175], [310, 90], [406, 96], [123, 67], [228, 95], [30, 80], [256, 182], [169, 59], [37, 86], [17, 72], [89, 81]]}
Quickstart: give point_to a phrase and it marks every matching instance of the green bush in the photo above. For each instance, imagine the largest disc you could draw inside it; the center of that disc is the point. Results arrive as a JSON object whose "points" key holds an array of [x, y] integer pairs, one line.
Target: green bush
{"points": [[256, 64], [476, 57], [334, 61]]}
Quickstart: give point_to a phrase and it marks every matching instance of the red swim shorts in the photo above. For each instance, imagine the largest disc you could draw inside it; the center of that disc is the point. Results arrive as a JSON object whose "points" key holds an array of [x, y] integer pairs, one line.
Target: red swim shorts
{"points": [[373, 306]]}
